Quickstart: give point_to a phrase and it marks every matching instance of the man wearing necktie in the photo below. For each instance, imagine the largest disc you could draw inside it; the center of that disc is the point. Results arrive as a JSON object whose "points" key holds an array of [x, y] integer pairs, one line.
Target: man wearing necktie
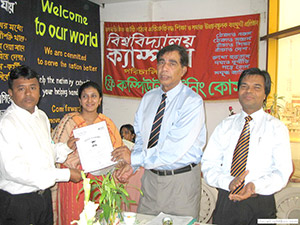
{"points": [[248, 157], [170, 135]]}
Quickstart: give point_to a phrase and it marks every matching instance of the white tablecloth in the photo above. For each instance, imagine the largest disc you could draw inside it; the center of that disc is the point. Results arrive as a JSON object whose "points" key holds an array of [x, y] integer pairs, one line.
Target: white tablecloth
{"points": [[143, 219]]}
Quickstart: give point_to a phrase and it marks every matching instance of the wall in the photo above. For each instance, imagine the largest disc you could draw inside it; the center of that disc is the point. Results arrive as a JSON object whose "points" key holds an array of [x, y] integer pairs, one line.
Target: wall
{"points": [[122, 110]]}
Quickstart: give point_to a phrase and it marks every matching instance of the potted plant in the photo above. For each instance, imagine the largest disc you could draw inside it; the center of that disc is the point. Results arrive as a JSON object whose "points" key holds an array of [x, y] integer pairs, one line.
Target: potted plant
{"points": [[104, 206], [109, 195], [276, 105]]}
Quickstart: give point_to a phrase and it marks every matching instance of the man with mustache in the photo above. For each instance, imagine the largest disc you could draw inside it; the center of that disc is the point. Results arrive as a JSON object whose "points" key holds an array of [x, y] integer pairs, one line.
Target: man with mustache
{"points": [[248, 157], [171, 151], [28, 155]]}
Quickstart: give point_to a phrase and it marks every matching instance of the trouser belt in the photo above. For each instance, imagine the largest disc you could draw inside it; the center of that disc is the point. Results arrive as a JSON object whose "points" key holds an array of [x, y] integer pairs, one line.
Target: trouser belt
{"points": [[173, 172], [41, 192]]}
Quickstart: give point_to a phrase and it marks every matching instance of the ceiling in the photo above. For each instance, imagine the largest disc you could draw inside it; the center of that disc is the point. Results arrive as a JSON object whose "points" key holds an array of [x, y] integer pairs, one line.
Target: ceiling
{"points": [[99, 2]]}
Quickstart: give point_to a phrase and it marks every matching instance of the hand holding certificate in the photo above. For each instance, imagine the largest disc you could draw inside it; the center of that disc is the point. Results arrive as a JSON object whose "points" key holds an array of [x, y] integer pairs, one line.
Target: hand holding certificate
{"points": [[94, 148]]}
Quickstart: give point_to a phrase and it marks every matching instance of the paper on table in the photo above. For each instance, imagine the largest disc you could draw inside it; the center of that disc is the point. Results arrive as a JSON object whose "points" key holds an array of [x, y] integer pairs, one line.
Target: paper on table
{"points": [[94, 148], [177, 220]]}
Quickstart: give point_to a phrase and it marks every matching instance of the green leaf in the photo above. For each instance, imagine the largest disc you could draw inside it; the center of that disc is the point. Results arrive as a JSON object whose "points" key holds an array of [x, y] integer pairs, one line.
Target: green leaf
{"points": [[123, 191], [106, 212], [102, 197], [79, 192], [118, 201]]}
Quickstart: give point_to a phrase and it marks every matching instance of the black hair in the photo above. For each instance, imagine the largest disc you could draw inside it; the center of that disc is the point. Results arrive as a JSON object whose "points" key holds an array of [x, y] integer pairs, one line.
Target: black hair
{"points": [[257, 71], [184, 58], [130, 128], [87, 85], [21, 71]]}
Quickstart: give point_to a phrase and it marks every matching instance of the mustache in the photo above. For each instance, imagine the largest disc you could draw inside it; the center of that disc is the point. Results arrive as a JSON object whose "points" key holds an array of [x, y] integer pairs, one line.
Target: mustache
{"points": [[29, 98]]}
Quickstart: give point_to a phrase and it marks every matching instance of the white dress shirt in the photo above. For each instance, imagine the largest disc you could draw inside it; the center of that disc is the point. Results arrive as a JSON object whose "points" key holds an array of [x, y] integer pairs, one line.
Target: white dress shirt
{"points": [[27, 153], [182, 134], [269, 158]]}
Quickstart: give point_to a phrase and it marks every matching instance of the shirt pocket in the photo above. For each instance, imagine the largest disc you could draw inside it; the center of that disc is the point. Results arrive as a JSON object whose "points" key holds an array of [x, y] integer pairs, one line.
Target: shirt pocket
{"points": [[261, 155]]}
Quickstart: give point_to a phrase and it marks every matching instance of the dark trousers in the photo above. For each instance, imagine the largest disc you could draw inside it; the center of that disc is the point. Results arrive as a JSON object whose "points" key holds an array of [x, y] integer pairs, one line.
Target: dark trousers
{"points": [[26, 209], [244, 212]]}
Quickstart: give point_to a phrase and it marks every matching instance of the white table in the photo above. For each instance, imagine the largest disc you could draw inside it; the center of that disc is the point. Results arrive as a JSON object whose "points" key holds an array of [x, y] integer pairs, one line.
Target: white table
{"points": [[143, 219]]}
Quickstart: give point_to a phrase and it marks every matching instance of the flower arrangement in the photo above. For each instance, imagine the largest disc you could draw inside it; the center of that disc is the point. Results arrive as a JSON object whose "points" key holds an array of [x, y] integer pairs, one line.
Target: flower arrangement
{"points": [[107, 198]]}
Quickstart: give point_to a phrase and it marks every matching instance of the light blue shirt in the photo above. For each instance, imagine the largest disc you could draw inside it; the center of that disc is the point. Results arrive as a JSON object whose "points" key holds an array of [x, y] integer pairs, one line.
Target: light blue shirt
{"points": [[182, 134]]}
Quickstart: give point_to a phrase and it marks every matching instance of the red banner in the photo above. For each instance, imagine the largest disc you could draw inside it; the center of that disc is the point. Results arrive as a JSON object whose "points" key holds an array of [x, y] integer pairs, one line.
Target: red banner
{"points": [[219, 50]]}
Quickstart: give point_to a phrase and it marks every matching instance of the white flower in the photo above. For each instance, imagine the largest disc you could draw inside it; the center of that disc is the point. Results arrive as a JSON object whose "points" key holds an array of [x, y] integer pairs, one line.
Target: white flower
{"points": [[87, 216]]}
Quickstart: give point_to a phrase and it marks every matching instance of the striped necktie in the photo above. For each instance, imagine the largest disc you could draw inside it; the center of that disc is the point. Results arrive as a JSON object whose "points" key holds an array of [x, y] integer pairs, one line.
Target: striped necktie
{"points": [[240, 155], [153, 139]]}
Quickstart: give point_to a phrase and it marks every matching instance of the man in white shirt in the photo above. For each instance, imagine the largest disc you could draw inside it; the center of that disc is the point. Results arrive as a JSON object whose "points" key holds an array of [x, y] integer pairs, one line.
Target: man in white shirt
{"points": [[268, 161], [171, 182], [28, 155]]}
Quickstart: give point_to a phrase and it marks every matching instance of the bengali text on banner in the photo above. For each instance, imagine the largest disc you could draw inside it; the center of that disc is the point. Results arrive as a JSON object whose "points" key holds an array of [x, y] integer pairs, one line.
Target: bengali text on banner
{"points": [[219, 50]]}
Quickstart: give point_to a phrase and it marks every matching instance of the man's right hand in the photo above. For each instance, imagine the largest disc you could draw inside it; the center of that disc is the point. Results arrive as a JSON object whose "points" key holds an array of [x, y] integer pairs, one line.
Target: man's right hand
{"points": [[75, 175], [237, 181], [121, 153], [245, 193]]}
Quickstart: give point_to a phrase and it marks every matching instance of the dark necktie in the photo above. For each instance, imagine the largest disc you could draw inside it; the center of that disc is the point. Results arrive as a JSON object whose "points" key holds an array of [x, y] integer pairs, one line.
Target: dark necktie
{"points": [[153, 139], [240, 154]]}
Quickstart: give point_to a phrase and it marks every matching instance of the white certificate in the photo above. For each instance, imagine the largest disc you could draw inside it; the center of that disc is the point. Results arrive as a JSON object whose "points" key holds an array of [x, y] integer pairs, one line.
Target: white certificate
{"points": [[94, 148]]}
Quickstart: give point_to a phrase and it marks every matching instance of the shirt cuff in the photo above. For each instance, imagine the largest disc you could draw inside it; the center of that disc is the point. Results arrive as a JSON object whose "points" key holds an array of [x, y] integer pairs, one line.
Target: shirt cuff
{"points": [[136, 159], [67, 150], [63, 152], [62, 175]]}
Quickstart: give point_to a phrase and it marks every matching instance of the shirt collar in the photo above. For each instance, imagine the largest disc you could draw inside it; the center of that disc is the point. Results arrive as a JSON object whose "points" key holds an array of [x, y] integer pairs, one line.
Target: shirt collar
{"points": [[24, 112], [173, 92], [256, 116]]}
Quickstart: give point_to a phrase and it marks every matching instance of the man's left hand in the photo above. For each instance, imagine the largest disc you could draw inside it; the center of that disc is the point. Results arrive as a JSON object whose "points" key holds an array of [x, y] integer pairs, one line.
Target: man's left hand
{"points": [[123, 173], [245, 193]]}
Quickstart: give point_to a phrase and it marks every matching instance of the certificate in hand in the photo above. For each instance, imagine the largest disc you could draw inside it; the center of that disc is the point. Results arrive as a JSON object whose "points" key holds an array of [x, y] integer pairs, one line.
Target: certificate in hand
{"points": [[94, 148]]}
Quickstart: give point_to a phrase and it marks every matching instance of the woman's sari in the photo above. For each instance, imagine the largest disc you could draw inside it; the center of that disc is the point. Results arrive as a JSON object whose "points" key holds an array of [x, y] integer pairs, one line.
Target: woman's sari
{"points": [[68, 207]]}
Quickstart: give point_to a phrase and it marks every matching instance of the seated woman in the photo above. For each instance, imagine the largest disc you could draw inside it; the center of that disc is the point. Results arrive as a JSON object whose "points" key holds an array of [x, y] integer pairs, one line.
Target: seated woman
{"points": [[128, 135], [134, 182], [90, 97]]}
